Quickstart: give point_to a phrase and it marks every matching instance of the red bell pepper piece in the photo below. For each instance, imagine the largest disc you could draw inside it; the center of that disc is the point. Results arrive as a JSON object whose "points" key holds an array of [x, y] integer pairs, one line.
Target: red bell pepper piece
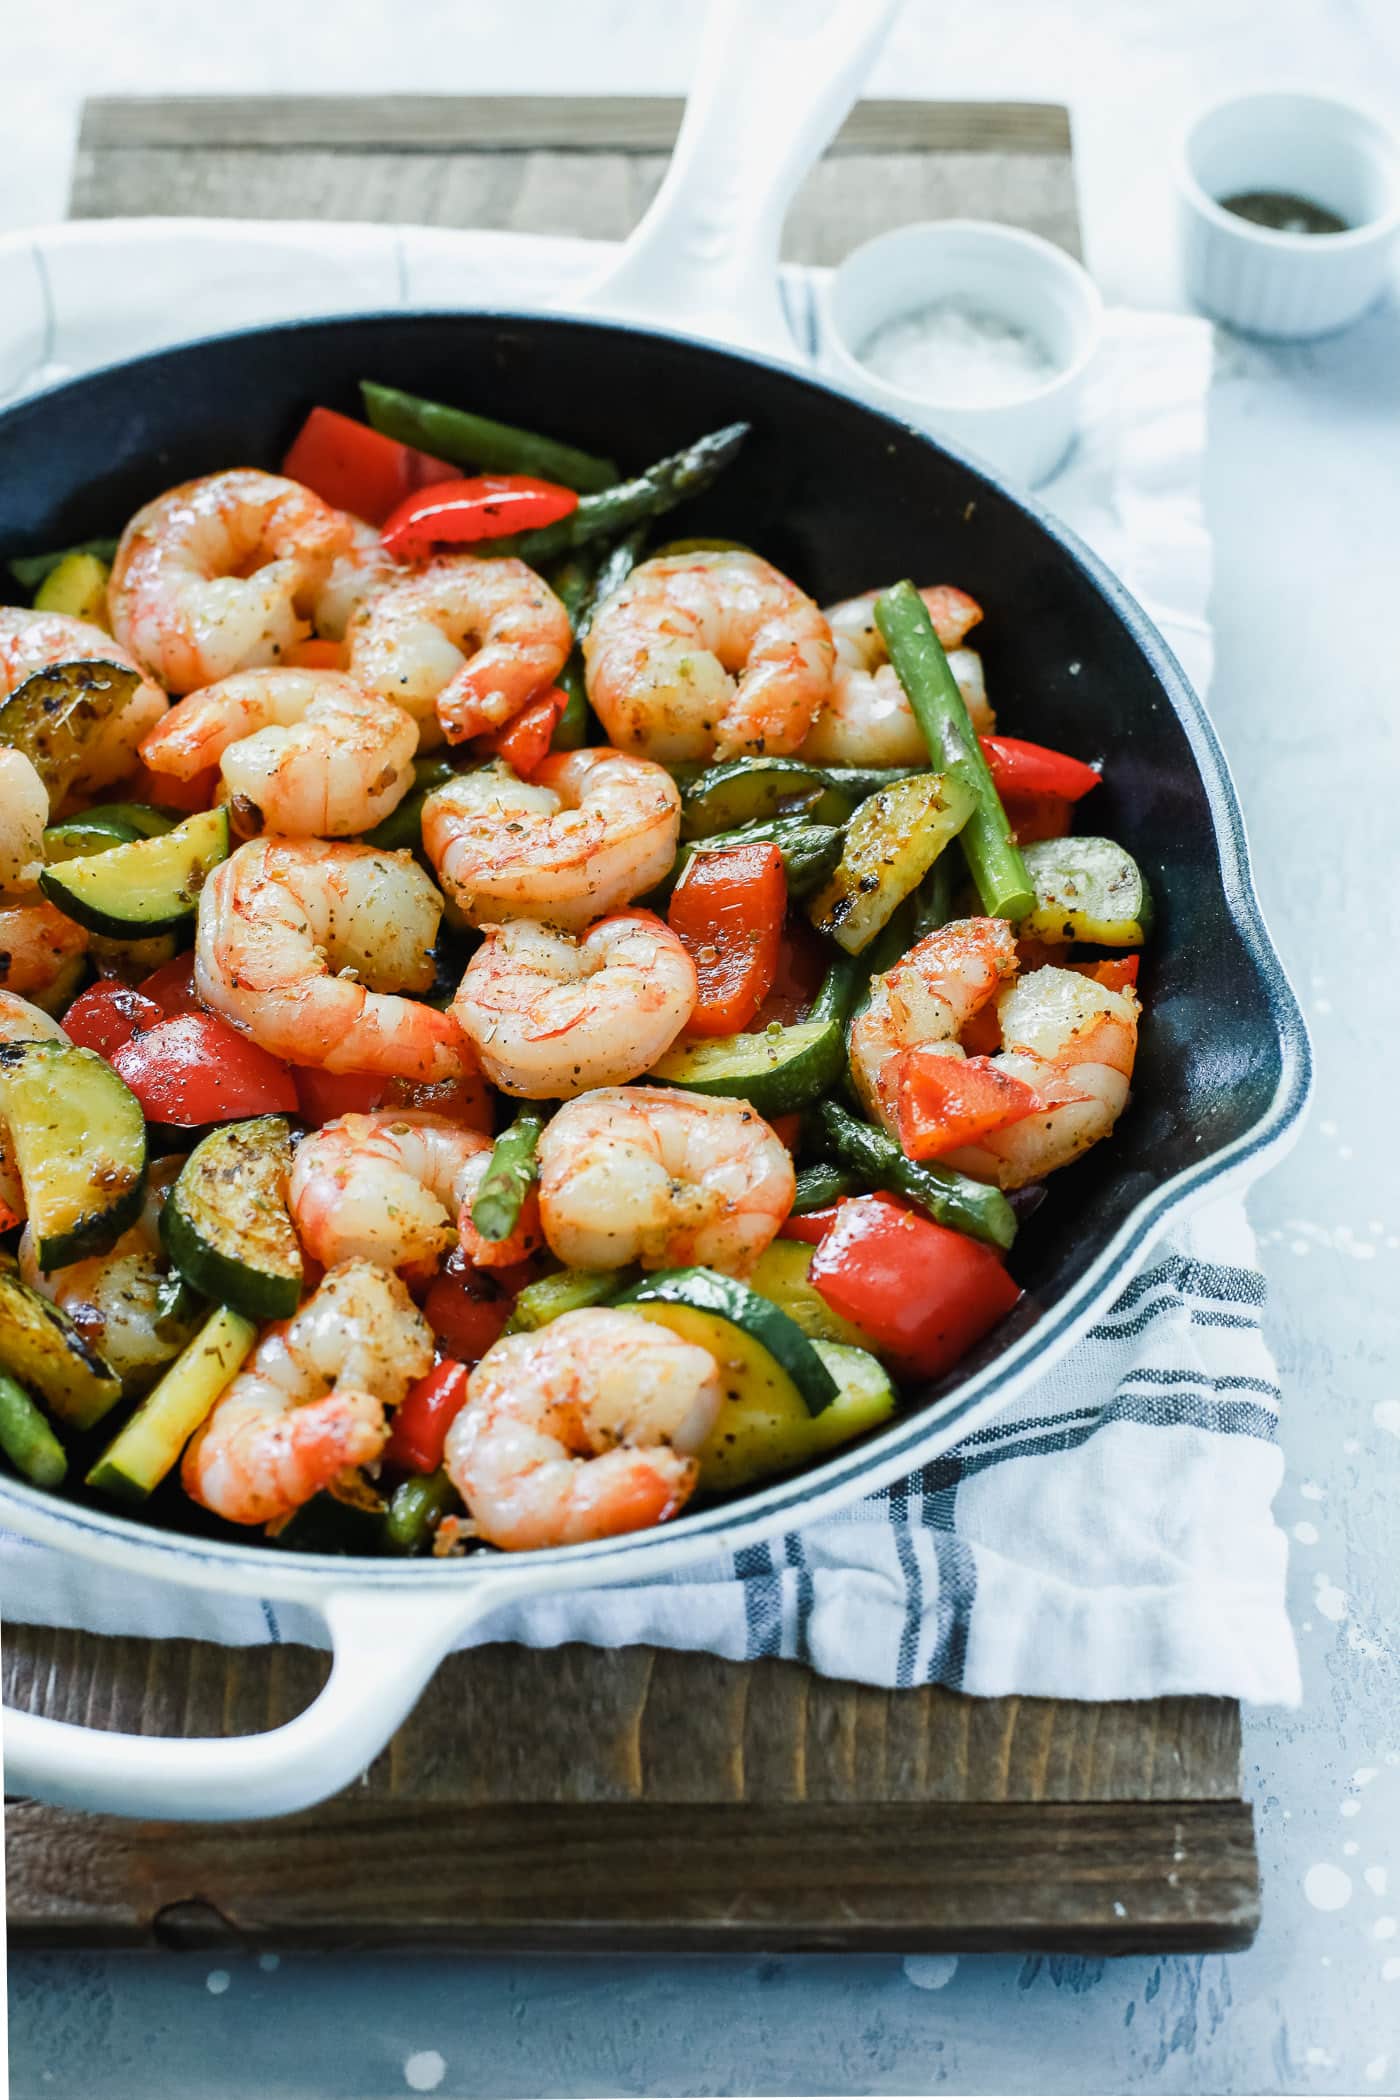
{"points": [[484, 507], [944, 1102], [811, 1225], [166, 792], [1033, 817], [465, 1312], [172, 986], [923, 1293], [981, 1035], [107, 1015], [524, 742], [1119, 974], [727, 910], [787, 1130], [314, 654], [196, 1069], [358, 469], [322, 1096], [423, 1418], [1018, 768]]}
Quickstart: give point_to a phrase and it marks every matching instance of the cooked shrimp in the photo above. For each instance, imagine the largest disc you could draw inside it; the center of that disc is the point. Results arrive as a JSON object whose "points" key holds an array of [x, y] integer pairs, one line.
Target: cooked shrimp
{"points": [[586, 1429], [220, 575], [24, 811], [307, 754], [552, 1015], [385, 1187], [590, 832], [39, 946], [665, 1178], [927, 998], [1069, 1038], [708, 655], [354, 577], [310, 1401], [866, 720], [122, 1301], [1074, 1041], [19, 1023], [32, 641], [463, 641], [302, 943]]}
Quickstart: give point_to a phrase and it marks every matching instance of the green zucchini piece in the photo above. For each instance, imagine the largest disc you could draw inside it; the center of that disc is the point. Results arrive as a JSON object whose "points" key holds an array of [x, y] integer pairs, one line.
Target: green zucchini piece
{"points": [[753, 1340], [139, 817], [567, 1290], [79, 1141], [26, 1438], [149, 1444], [1087, 890], [700, 544], [29, 570], [781, 1273], [55, 715], [76, 587], [776, 1070], [225, 1223], [748, 790], [892, 841], [150, 886], [757, 1436], [40, 1346], [90, 833]]}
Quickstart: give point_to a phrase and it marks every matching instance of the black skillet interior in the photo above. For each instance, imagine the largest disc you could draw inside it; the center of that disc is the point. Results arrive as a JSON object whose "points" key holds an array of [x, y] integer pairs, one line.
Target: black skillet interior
{"points": [[841, 499]]}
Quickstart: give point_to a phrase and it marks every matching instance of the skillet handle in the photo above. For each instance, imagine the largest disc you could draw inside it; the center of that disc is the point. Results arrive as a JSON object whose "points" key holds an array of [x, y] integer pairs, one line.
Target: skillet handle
{"points": [[774, 81], [386, 1646]]}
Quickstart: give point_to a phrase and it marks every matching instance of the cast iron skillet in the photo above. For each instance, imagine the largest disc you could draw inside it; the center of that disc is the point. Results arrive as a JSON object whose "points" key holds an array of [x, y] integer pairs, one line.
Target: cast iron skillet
{"points": [[841, 498]]}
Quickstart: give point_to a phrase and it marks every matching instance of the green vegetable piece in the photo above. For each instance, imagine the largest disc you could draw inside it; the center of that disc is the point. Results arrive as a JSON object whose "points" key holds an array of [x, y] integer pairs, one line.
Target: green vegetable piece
{"points": [[404, 824], [998, 870], [616, 510], [748, 790], [26, 1438], [821, 1184], [760, 1433], [514, 1166], [40, 1346], [76, 589], [147, 823], [79, 1141], [76, 837], [415, 1510], [30, 570], [147, 1446], [891, 842], [225, 1224], [150, 886], [567, 1290], [950, 1198], [477, 441], [1087, 889], [56, 715], [752, 1339]]}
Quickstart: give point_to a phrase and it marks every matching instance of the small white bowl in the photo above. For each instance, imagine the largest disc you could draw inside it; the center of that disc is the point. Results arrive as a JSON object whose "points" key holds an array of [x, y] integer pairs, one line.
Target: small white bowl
{"points": [[1016, 277], [1335, 154]]}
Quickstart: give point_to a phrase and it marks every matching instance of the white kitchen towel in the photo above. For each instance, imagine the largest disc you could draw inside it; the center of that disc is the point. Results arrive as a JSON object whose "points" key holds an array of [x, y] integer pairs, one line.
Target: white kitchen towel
{"points": [[1112, 1536]]}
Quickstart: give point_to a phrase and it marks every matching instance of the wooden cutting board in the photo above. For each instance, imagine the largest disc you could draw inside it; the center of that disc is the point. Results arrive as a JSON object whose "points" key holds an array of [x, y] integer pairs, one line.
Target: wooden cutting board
{"points": [[638, 1800]]}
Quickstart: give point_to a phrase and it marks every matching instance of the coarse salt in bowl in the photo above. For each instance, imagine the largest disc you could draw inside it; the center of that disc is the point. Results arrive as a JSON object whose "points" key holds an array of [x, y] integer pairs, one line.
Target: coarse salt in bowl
{"points": [[978, 333]]}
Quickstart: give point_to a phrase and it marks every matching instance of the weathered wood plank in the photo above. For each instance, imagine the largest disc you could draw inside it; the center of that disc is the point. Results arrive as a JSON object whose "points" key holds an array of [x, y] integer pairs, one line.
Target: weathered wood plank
{"points": [[1088, 1878], [579, 1724]]}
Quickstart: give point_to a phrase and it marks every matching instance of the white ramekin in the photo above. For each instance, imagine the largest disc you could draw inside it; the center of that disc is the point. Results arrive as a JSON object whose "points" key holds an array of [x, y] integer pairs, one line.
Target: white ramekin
{"points": [[1335, 154], [1023, 280]]}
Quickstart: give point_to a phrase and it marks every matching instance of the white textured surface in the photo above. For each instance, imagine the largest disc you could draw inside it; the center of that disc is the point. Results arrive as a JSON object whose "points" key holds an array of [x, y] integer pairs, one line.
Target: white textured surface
{"points": [[1303, 467]]}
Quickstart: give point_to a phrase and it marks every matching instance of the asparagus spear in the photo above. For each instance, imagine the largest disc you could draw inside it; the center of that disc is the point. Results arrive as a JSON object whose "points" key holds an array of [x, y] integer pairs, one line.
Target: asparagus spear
{"points": [[952, 1198], [476, 441], [616, 510], [417, 1508], [819, 1185], [26, 1438], [998, 870], [496, 1211], [582, 583]]}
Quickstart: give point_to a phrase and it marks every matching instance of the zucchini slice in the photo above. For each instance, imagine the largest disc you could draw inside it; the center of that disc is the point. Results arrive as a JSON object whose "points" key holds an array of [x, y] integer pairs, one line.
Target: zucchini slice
{"points": [[92, 832], [150, 886], [756, 1345], [76, 586], [40, 1346], [139, 817], [757, 1435], [776, 1071], [150, 1442], [54, 716], [26, 1438], [79, 1142], [225, 1224], [782, 1275], [1087, 890], [892, 841], [745, 790]]}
